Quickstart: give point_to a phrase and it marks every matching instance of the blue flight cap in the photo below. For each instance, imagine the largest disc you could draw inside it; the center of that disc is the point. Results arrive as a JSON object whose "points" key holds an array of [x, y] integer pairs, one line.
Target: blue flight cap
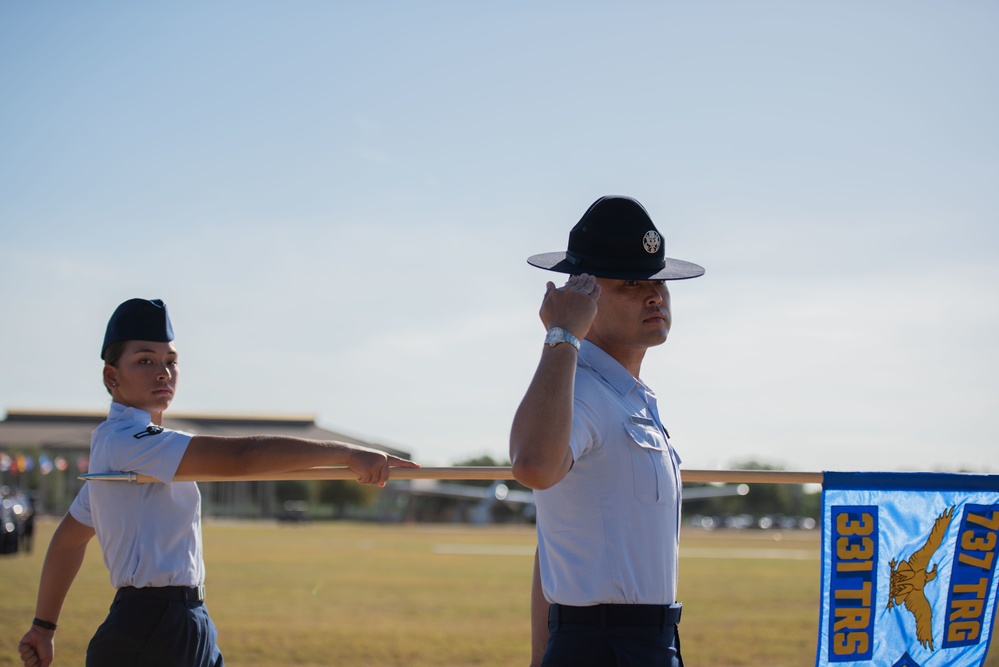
{"points": [[139, 319]]}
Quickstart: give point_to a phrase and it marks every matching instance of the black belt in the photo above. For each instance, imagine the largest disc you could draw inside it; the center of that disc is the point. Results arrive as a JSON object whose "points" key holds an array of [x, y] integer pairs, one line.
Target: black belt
{"points": [[188, 594], [617, 614]]}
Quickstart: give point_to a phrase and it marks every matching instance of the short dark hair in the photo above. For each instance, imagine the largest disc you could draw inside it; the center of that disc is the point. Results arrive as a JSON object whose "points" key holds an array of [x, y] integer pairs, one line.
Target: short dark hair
{"points": [[112, 355]]}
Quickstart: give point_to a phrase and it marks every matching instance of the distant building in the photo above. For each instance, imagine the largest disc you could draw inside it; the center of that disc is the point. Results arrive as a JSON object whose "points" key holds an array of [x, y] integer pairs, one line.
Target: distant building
{"points": [[47, 450]]}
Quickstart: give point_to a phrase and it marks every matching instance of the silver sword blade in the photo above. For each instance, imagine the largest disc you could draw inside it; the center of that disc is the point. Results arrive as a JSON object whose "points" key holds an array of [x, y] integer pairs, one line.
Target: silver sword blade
{"points": [[108, 477]]}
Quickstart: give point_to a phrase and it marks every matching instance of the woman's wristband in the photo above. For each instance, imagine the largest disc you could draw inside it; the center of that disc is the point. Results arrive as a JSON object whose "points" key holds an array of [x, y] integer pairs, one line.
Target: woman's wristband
{"points": [[47, 625]]}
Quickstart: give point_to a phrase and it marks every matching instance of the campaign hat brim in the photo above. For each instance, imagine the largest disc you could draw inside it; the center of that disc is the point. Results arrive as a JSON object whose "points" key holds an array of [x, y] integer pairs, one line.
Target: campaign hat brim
{"points": [[673, 269]]}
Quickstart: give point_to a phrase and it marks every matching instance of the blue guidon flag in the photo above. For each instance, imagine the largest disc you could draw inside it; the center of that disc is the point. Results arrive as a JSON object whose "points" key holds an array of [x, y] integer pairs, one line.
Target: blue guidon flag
{"points": [[908, 569]]}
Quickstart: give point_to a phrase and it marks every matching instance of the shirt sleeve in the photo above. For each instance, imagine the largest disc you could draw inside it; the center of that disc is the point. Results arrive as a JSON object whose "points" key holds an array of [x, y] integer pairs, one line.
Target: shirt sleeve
{"points": [[80, 509], [152, 451]]}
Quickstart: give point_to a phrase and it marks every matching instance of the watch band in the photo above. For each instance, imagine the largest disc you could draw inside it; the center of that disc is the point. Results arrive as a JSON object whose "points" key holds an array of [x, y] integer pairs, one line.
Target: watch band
{"points": [[558, 335]]}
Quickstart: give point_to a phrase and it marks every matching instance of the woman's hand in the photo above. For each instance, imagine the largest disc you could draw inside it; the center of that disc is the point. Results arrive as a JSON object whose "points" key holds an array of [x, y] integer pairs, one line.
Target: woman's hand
{"points": [[372, 466], [37, 648]]}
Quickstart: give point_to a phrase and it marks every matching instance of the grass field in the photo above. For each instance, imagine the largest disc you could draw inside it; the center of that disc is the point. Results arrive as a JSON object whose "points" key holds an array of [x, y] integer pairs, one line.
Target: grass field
{"points": [[431, 595]]}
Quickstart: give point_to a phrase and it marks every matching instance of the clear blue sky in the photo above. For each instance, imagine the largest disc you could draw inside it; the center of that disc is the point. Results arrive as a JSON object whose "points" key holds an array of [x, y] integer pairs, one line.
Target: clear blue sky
{"points": [[336, 201]]}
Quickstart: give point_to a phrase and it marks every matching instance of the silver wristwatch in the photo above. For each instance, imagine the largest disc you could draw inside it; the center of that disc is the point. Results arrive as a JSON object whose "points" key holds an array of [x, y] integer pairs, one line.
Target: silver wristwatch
{"points": [[558, 335]]}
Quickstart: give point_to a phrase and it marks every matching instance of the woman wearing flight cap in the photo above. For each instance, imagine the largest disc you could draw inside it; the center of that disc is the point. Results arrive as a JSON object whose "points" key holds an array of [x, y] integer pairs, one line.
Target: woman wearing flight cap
{"points": [[150, 534]]}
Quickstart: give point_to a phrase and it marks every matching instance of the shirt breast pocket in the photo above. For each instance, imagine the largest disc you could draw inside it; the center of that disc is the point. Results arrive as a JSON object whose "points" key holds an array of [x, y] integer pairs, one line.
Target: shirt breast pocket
{"points": [[652, 464]]}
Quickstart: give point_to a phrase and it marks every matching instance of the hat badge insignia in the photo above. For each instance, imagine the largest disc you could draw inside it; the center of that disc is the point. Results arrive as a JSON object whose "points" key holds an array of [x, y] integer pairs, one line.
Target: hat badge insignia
{"points": [[651, 241]]}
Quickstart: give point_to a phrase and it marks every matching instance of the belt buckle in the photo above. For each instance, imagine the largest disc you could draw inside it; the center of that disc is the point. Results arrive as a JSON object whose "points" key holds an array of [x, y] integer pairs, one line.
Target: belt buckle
{"points": [[200, 591]]}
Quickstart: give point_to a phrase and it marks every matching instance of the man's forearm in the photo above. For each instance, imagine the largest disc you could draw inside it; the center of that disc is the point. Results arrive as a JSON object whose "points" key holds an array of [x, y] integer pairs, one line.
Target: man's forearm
{"points": [[542, 425]]}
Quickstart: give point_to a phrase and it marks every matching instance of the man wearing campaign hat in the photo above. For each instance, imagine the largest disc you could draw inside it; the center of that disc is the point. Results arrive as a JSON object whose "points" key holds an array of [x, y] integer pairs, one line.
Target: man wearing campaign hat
{"points": [[588, 437]]}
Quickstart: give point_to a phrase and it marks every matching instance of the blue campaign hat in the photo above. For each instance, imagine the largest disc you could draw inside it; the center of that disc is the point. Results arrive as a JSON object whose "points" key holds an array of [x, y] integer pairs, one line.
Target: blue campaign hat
{"points": [[615, 238], [139, 319]]}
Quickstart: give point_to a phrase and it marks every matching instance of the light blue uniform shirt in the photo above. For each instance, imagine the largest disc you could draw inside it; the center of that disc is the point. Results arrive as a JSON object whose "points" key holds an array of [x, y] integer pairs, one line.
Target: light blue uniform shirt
{"points": [[609, 531], [150, 534]]}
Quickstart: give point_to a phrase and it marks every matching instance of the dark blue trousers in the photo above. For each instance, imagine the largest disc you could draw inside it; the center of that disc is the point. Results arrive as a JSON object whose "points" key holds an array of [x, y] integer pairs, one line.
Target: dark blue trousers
{"points": [[155, 633], [609, 644]]}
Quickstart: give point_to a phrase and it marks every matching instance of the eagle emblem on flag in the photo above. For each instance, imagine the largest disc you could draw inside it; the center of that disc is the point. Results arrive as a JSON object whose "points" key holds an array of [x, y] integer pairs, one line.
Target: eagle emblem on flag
{"points": [[909, 577]]}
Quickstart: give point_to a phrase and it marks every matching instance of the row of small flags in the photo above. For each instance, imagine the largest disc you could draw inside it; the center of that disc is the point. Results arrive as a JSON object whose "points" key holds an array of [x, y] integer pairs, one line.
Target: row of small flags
{"points": [[908, 569], [25, 463]]}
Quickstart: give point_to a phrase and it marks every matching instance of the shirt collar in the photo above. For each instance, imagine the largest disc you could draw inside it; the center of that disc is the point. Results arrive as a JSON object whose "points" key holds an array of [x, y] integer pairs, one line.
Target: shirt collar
{"points": [[607, 367], [125, 413]]}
